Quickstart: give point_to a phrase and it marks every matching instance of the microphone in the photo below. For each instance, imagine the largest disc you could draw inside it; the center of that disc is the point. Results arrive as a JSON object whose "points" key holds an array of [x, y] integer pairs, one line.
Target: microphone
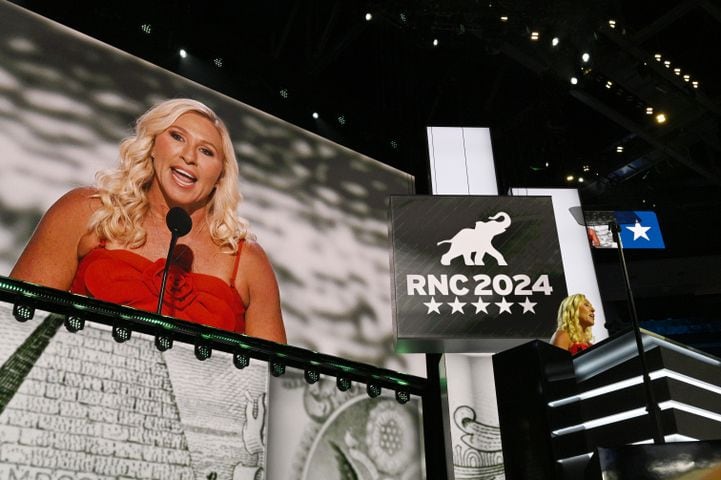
{"points": [[179, 224]]}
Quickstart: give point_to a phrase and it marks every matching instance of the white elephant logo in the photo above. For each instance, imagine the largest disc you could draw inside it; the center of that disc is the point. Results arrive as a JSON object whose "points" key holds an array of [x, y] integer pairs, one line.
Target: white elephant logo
{"points": [[477, 240]]}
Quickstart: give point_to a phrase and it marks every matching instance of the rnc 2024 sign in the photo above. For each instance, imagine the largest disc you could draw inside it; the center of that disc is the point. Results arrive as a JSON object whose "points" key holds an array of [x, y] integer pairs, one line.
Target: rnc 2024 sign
{"points": [[474, 274]]}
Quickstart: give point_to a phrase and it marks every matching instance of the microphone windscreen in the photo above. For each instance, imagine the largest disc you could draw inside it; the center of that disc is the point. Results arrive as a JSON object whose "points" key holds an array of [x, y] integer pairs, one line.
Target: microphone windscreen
{"points": [[178, 221]]}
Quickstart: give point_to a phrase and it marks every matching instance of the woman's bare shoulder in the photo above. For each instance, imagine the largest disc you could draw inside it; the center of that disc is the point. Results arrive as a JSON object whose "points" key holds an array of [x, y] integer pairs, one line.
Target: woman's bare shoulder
{"points": [[561, 339]]}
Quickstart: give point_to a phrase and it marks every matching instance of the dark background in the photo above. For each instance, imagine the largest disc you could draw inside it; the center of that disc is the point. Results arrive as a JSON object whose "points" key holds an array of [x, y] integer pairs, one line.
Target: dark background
{"points": [[376, 85]]}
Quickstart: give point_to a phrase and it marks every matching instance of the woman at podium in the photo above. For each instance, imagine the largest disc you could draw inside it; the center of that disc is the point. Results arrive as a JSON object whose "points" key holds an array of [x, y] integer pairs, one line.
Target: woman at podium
{"points": [[576, 317], [110, 241]]}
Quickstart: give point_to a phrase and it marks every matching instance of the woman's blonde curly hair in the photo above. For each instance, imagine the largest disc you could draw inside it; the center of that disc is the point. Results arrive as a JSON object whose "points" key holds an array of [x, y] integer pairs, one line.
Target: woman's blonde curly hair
{"points": [[568, 319], [123, 191]]}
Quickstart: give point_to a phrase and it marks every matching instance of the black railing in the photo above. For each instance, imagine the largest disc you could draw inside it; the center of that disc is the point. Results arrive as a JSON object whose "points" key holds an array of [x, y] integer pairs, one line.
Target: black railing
{"points": [[77, 309]]}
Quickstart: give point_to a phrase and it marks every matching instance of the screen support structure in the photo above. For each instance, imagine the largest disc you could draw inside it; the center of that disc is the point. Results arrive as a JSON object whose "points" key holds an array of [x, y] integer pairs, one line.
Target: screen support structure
{"points": [[651, 404]]}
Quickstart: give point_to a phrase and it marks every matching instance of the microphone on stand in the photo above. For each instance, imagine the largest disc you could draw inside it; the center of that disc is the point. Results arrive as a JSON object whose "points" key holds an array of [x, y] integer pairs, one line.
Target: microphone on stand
{"points": [[179, 224]]}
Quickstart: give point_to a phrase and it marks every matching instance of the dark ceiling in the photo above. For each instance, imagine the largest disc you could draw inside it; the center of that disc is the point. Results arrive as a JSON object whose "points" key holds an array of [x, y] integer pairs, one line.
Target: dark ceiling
{"points": [[387, 80]]}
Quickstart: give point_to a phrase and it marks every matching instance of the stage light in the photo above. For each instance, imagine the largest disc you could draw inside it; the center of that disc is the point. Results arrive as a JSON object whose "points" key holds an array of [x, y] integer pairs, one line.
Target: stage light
{"points": [[619, 149], [555, 41], [240, 360], [586, 168], [341, 119], [373, 390], [569, 178], [547, 164], [402, 396], [202, 351], [574, 81], [23, 313], [369, 17], [649, 110], [612, 23], [218, 61], [580, 179], [585, 56], [311, 376], [667, 63], [658, 57], [284, 92], [695, 84], [661, 118], [182, 53], [404, 17], [435, 42], [687, 78], [535, 36], [315, 115], [504, 18], [146, 28], [343, 384], [277, 368], [677, 71], [394, 144], [73, 323], [609, 84], [163, 342], [121, 334]]}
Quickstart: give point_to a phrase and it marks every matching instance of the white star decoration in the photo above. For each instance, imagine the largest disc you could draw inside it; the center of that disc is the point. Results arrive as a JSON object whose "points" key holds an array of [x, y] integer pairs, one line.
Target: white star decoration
{"points": [[433, 306], [456, 306], [528, 306], [639, 231], [481, 306], [504, 306]]}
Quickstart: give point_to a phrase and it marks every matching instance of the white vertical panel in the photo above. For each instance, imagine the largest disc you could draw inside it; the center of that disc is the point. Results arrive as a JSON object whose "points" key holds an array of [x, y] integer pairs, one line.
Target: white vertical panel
{"points": [[461, 161], [575, 251]]}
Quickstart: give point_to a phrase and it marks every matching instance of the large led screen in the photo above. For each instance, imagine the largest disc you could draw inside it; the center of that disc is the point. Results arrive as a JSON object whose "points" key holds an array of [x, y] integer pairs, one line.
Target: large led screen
{"points": [[85, 406]]}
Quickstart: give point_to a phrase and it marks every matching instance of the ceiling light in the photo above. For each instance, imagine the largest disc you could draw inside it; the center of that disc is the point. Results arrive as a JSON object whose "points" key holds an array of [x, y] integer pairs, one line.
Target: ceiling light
{"points": [[369, 17], [649, 110], [315, 115], [586, 168], [609, 84], [585, 57], [218, 61], [612, 23], [661, 118], [569, 178], [574, 81], [687, 78], [667, 63], [657, 57], [146, 28], [580, 179], [534, 36], [619, 149], [695, 84], [341, 119], [183, 53], [435, 42], [677, 71], [284, 92], [555, 41], [504, 18]]}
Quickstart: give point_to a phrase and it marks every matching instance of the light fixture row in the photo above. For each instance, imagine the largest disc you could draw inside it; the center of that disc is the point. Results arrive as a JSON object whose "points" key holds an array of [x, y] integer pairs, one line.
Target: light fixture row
{"points": [[203, 351]]}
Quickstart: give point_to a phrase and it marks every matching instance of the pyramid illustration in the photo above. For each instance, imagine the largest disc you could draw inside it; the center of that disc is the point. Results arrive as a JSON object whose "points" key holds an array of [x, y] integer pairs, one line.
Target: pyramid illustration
{"points": [[82, 406]]}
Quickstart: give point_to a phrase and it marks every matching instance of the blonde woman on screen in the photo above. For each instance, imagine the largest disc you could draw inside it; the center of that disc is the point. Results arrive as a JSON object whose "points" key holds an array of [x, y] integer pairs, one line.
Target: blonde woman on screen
{"points": [[110, 241]]}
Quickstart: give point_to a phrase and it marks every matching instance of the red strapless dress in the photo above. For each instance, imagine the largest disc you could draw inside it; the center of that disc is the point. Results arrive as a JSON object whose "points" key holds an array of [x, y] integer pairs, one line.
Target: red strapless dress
{"points": [[578, 347], [126, 278]]}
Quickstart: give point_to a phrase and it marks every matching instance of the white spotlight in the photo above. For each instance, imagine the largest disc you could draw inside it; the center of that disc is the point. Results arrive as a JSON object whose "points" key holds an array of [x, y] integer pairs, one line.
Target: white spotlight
{"points": [[183, 53], [555, 41], [435, 42], [585, 57], [369, 17], [574, 81], [315, 115]]}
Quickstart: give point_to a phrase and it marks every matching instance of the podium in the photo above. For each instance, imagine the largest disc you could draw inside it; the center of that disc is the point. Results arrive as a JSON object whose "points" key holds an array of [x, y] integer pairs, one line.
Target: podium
{"points": [[555, 410]]}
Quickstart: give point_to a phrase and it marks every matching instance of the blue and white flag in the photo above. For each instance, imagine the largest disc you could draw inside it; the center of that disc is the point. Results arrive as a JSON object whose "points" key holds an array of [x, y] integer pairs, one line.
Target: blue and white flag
{"points": [[642, 232]]}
